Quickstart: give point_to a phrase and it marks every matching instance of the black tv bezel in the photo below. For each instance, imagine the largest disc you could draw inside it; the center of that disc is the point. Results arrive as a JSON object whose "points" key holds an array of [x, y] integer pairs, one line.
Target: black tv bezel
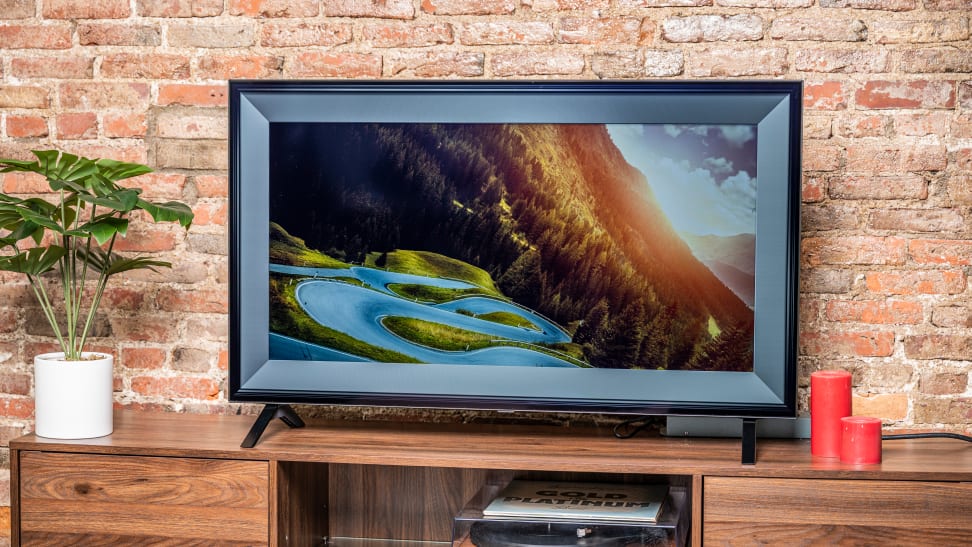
{"points": [[254, 104]]}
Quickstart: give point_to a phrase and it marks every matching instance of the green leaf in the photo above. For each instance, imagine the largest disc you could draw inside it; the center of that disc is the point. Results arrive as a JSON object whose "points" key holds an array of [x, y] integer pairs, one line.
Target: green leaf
{"points": [[168, 211], [33, 261], [118, 170], [113, 263], [122, 200], [105, 227]]}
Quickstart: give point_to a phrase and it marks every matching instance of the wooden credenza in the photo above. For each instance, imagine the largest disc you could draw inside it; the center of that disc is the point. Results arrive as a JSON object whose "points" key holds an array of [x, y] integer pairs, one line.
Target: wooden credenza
{"points": [[166, 479]]}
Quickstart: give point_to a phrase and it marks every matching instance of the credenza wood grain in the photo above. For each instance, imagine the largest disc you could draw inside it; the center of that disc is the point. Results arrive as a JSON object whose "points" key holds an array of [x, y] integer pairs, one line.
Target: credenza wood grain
{"points": [[105, 499], [751, 511]]}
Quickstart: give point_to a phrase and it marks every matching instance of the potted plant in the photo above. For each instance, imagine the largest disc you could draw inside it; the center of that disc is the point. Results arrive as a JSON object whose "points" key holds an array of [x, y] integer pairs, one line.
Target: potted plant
{"points": [[64, 247]]}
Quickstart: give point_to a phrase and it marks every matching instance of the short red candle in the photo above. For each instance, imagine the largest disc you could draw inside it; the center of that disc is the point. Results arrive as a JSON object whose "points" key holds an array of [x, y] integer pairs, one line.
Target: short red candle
{"points": [[860, 440], [830, 400]]}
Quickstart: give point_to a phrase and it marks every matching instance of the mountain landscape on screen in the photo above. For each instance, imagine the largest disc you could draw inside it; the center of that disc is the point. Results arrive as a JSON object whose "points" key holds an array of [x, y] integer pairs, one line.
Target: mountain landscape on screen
{"points": [[628, 247]]}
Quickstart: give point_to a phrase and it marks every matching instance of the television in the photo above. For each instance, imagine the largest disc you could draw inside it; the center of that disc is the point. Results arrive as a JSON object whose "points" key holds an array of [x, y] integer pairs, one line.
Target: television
{"points": [[606, 247]]}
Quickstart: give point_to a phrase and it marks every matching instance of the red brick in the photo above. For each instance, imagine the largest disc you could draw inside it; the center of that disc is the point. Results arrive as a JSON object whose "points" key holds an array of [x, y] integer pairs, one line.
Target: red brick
{"points": [[536, 63], [847, 61], [568, 5], [938, 346], [906, 94], [660, 63], [17, 407], [727, 61], [946, 5], [506, 33], [145, 328], [913, 31], [621, 64], [190, 154], [917, 220], [905, 186], [62, 67], [226, 67], [238, 34], [847, 343], [151, 66], [712, 28], [290, 34], [609, 30], [938, 410], [396, 34], [8, 322], [824, 96], [846, 250], [210, 213], [142, 358], [434, 64], [222, 360], [275, 8], [923, 124], [124, 125], [857, 126], [26, 126], [15, 383], [17, 9], [874, 312], [193, 95], [335, 65], [176, 387], [387, 9], [211, 186], [159, 186], [134, 153], [146, 240], [182, 123], [934, 60], [77, 125], [14, 96], [829, 217], [123, 298], [179, 8], [191, 359], [961, 126], [814, 189], [941, 251], [877, 159], [92, 9], [765, 3], [818, 29], [952, 317], [104, 95], [24, 183], [821, 157], [629, 4], [944, 383], [887, 5], [963, 159], [468, 7], [118, 34], [31, 36]]}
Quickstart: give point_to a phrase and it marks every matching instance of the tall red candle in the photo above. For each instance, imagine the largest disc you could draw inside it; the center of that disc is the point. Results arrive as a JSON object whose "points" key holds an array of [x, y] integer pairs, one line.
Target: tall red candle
{"points": [[830, 400], [860, 440]]}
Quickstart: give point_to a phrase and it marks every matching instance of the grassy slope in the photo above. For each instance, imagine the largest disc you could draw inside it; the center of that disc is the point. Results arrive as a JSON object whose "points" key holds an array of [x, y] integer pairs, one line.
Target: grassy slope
{"points": [[292, 251], [436, 265]]}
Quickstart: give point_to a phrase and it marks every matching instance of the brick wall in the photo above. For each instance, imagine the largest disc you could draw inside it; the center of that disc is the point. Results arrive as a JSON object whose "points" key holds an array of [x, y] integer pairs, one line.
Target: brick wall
{"points": [[887, 181]]}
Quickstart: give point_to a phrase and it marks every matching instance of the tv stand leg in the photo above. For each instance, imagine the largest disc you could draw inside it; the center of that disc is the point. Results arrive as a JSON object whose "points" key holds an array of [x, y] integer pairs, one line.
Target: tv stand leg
{"points": [[269, 412], [749, 441]]}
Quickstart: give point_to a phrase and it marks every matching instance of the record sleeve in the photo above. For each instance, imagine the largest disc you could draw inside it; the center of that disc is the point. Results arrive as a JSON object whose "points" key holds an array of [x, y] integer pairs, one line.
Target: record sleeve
{"points": [[572, 501]]}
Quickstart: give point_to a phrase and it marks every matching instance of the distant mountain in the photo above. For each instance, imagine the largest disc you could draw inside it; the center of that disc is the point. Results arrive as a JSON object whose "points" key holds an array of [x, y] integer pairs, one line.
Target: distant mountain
{"points": [[731, 258]]}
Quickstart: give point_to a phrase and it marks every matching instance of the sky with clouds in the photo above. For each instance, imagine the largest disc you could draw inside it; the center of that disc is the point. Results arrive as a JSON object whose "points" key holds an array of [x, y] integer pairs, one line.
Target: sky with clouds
{"points": [[703, 176]]}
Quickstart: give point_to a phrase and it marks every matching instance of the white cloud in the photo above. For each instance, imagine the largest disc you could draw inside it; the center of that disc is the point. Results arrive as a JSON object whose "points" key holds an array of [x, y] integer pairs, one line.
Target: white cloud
{"points": [[737, 135], [719, 166]]}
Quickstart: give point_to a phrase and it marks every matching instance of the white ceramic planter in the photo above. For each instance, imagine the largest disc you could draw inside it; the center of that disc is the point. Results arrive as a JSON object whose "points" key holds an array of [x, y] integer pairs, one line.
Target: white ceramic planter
{"points": [[72, 399]]}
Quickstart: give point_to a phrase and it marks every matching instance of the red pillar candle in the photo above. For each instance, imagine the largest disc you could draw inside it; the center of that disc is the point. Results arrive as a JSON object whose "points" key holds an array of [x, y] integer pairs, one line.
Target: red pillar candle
{"points": [[830, 400], [860, 440]]}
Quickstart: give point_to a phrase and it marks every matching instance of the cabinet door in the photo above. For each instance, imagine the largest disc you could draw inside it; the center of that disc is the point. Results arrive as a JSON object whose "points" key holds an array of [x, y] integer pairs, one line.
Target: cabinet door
{"points": [[83, 499], [748, 511]]}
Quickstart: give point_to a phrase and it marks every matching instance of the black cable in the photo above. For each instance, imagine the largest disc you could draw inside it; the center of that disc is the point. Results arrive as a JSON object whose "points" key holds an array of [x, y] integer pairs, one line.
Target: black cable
{"points": [[958, 436]]}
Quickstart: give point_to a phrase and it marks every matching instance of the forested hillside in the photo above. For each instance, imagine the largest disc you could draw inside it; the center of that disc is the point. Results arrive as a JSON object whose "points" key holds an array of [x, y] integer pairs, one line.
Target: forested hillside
{"points": [[553, 213]]}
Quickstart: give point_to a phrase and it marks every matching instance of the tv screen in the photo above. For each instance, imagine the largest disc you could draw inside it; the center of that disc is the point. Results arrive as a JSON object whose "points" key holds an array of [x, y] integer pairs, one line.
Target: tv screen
{"points": [[605, 247]]}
